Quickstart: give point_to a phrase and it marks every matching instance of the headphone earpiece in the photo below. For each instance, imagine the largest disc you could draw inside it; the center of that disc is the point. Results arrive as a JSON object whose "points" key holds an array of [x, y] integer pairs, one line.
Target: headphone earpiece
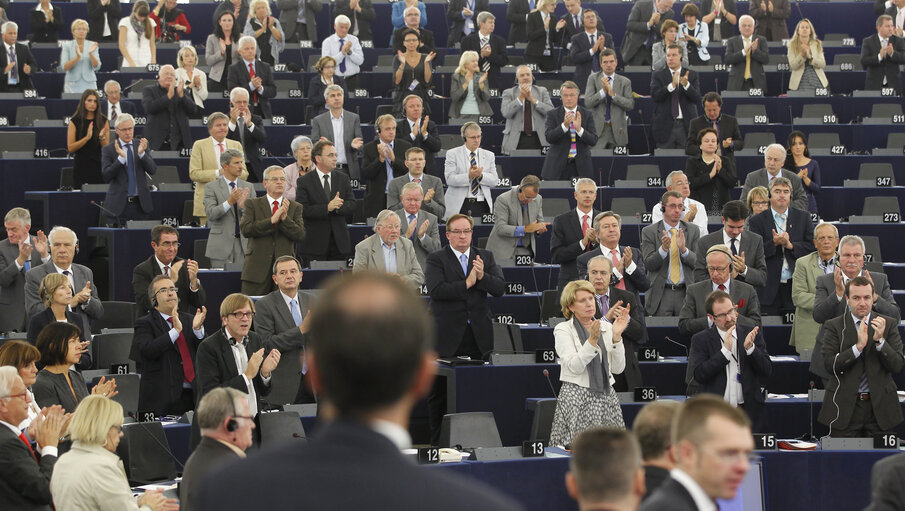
{"points": [[154, 302], [232, 425]]}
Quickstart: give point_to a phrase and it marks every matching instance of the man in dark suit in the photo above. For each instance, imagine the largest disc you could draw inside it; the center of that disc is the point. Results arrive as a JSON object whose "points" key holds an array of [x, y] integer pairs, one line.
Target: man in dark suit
{"points": [[458, 279], [771, 16], [676, 92], [327, 207], [706, 427], [421, 226], [168, 105], [612, 302], [653, 429], [896, 11], [491, 48], [184, 273], [16, 77], [463, 18], [643, 30], [247, 129], [746, 247], [747, 54], [432, 198], [104, 15], [166, 349], [113, 105], [255, 76], [726, 126], [789, 234], [571, 133], [730, 359], [862, 351], [412, 17], [222, 416], [605, 470], [569, 24], [383, 161], [573, 232], [629, 272], [420, 132], [273, 225], [282, 321], [587, 47], [887, 484], [517, 15], [19, 252], [235, 357], [370, 352], [125, 165], [693, 318], [24, 477], [881, 56]]}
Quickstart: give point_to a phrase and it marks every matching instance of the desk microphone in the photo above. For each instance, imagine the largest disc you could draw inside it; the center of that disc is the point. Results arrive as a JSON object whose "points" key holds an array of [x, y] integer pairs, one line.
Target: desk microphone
{"points": [[685, 348], [165, 447], [119, 221], [550, 383]]}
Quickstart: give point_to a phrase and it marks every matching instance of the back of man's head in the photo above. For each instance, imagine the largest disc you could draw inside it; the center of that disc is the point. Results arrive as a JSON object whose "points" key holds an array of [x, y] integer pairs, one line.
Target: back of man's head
{"points": [[368, 341], [605, 467], [653, 429]]}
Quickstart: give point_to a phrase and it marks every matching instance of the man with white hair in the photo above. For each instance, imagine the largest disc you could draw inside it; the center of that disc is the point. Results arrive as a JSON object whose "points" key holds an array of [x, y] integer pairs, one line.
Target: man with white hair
{"points": [[695, 212], [85, 302], [525, 108], [16, 75], [387, 251], [19, 252], [112, 105], [345, 48], [747, 54], [168, 104], [125, 165], [573, 232], [422, 226], [254, 75], [774, 158], [247, 129]]}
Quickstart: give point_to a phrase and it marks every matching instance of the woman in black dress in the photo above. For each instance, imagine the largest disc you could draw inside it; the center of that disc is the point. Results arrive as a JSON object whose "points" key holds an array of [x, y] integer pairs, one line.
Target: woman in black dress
{"points": [[413, 74], [326, 76], [710, 175], [88, 132]]}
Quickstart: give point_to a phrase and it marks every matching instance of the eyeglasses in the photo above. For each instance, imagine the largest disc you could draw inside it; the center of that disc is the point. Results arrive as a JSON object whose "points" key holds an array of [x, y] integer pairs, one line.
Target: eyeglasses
{"points": [[731, 311], [166, 290], [118, 428], [717, 268], [460, 232], [23, 395], [242, 315], [760, 202], [170, 244]]}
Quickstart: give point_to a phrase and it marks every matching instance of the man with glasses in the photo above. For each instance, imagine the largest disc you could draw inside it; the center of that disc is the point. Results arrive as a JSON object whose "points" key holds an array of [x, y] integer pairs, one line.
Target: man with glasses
{"points": [[125, 165], [458, 278], [470, 174], [722, 276], [747, 248], [166, 350], [666, 248], [695, 212], [273, 225], [234, 356], [713, 443], [518, 217], [183, 272]]}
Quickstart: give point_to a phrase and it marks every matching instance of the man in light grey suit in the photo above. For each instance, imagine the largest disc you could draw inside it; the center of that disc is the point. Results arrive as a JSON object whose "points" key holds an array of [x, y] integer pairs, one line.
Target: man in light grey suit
{"points": [[19, 252], [281, 319], [433, 200], [609, 96], [666, 250], [85, 301], [470, 174], [224, 202], [518, 218], [746, 247], [297, 17], [774, 158], [693, 318], [525, 97], [421, 227], [349, 147], [386, 251]]}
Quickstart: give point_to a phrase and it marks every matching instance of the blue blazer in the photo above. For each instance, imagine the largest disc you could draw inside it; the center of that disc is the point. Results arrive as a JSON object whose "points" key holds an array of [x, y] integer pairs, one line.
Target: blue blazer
{"points": [[115, 173], [801, 234]]}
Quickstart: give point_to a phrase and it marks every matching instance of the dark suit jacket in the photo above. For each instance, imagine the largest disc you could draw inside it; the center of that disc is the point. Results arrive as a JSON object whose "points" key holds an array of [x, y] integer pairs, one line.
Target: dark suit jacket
{"points": [[569, 30], [144, 273], [669, 495], [876, 69], [430, 144], [343, 451], [880, 366], [117, 175], [497, 59], [274, 323], [634, 335], [561, 140], [580, 53], [771, 24], [363, 18], [516, 15], [751, 245], [124, 105], [887, 484], [801, 234], [565, 247], [253, 141], [662, 120], [96, 12], [457, 22], [161, 365], [238, 77], [693, 317], [703, 187], [637, 32], [167, 117], [538, 36], [208, 456], [427, 40], [454, 305], [316, 93], [268, 241], [759, 58], [215, 366], [41, 30], [12, 286], [374, 174], [46, 317], [23, 56], [727, 127], [653, 477], [637, 282], [708, 363], [320, 224], [827, 306], [24, 483]]}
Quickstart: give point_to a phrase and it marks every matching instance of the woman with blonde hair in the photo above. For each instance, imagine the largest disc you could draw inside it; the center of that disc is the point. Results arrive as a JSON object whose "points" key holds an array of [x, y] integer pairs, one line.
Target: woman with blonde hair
{"points": [[470, 95], [758, 201], [266, 30], [326, 76], [91, 475], [136, 37], [188, 73], [56, 293], [80, 60], [806, 60]]}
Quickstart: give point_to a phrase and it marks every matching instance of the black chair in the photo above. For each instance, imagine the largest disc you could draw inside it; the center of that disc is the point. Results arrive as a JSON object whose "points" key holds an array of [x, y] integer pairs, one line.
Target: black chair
{"points": [[199, 250], [116, 315], [550, 307], [146, 454], [468, 430], [872, 171], [542, 420], [27, 115], [111, 349], [126, 391], [277, 427]]}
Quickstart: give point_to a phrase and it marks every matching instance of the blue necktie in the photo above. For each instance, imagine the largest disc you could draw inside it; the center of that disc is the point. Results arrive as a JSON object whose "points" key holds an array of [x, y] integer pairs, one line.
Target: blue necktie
{"points": [[294, 310], [389, 167], [342, 63], [463, 260], [415, 232], [130, 170]]}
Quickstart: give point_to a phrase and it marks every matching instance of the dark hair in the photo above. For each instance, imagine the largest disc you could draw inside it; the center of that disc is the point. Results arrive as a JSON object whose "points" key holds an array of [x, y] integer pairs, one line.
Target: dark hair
{"points": [[691, 10], [318, 148], [159, 230], [218, 30], [790, 160], [81, 113], [367, 353], [712, 298], [53, 342], [858, 281], [18, 354], [156, 279], [604, 463], [141, 8], [706, 131], [735, 210], [410, 31], [712, 96]]}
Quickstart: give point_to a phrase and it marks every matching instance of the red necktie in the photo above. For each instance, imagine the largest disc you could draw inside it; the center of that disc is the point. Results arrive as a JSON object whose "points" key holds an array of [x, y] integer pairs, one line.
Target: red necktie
{"points": [[166, 271], [621, 283], [276, 206], [721, 287], [28, 444], [251, 76], [584, 229], [220, 145], [188, 368]]}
